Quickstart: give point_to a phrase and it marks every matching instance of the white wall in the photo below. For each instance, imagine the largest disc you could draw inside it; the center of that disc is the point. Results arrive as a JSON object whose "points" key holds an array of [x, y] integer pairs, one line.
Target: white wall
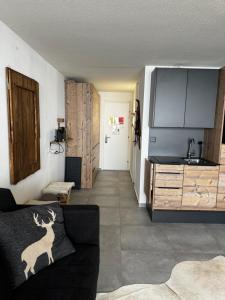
{"points": [[16, 54], [112, 97], [139, 155]]}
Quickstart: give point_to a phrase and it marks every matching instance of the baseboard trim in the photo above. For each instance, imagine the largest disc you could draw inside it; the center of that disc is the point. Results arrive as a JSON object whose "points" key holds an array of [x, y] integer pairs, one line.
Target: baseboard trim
{"points": [[174, 216]]}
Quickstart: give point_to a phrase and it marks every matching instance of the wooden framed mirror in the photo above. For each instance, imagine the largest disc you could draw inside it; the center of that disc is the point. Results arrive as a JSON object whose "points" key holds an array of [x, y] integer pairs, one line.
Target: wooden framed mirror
{"points": [[24, 125]]}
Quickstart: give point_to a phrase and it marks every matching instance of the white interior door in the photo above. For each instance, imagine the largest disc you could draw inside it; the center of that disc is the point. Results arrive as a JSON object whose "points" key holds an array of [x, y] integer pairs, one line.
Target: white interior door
{"points": [[116, 136]]}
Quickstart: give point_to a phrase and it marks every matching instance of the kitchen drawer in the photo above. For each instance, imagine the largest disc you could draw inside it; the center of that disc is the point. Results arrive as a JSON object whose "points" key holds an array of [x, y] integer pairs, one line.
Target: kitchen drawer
{"points": [[173, 183], [221, 200], [221, 184], [222, 153], [222, 169], [167, 202], [167, 192], [201, 176], [199, 197], [200, 168], [169, 176], [190, 181], [169, 168]]}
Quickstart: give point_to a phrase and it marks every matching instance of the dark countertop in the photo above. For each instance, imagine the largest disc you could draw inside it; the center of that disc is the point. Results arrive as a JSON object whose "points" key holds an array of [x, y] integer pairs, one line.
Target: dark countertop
{"points": [[172, 160]]}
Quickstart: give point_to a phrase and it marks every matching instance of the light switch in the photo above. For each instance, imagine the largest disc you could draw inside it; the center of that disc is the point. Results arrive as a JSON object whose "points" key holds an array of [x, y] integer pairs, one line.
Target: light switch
{"points": [[153, 139]]}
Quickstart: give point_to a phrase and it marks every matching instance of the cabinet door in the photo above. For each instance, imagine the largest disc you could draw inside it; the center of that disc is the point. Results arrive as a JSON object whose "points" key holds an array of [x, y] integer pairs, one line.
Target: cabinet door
{"points": [[200, 187], [201, 98], [169, 97]]}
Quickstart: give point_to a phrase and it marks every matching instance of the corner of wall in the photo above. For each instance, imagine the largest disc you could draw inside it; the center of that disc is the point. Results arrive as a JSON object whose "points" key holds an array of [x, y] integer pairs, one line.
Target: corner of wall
{"points": [[145, 98]]}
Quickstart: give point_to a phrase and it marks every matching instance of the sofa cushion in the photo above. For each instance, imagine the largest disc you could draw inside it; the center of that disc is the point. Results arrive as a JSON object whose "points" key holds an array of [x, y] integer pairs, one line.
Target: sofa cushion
{"points": [[31, 239], [71, 278]]}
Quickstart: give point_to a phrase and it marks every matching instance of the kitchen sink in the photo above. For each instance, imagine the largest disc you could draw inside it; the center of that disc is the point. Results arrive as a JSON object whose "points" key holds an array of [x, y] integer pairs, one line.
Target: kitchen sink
{"points": [[196, 161]]}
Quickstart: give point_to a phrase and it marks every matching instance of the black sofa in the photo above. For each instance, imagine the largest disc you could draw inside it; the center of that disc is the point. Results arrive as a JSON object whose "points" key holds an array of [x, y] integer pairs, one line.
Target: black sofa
{"points": [[73, 277]]}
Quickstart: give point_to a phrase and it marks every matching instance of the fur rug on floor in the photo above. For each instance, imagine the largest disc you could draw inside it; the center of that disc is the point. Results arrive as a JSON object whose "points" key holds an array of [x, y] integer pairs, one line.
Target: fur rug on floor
{"points": [[189, 280]]}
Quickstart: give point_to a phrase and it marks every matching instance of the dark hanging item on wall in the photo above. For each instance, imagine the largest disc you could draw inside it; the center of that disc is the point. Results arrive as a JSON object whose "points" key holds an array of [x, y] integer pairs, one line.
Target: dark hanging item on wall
{"points": [[73, 171], [60, 132], [56, 146], [137, 127]]}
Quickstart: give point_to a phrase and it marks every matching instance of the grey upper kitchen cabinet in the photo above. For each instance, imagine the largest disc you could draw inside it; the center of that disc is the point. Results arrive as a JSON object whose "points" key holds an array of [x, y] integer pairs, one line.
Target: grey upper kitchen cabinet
{"points": [[168, 97], [183, 97], [201, 98]]}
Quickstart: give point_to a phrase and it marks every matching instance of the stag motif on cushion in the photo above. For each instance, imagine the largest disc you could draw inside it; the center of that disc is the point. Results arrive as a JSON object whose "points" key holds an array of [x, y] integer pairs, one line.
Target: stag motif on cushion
{"points": [[44, 245]]}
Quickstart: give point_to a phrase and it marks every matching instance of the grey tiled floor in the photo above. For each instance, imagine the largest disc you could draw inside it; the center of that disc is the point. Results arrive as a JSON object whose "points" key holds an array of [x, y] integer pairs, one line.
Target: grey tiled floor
{"points": [[135, 250]]}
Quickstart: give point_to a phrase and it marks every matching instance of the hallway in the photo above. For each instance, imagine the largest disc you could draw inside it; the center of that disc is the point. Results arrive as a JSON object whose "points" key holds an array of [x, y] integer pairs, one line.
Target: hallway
{"points": [[135, 250]]}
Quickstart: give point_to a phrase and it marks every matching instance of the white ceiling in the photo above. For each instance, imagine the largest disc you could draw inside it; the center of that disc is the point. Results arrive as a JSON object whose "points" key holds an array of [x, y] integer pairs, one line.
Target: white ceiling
{"points": [[108, 42]]}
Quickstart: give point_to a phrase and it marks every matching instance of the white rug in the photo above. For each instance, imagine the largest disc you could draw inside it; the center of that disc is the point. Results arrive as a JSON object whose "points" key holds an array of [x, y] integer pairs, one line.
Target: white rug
{"points": [[189, 280]]}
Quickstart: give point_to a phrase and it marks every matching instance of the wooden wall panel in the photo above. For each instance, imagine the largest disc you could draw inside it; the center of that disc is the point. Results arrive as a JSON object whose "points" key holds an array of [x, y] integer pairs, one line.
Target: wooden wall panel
{"points": [[95, 127], [95, 116], [24, 125], [74, 118], [213, 137], [87, 135], [83, 127]]}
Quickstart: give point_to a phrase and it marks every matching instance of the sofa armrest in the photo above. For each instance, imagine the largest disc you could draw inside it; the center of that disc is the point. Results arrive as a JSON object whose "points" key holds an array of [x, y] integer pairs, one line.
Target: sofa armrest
{"points": [[82, 223]]}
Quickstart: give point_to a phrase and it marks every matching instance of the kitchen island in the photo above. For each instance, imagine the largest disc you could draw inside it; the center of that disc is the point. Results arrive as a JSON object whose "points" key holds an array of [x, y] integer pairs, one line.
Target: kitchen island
{"points": [[178, 191]]}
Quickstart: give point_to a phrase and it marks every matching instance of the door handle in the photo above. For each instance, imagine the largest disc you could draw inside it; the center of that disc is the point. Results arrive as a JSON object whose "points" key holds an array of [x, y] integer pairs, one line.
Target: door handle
{"points": [[106, 138]]}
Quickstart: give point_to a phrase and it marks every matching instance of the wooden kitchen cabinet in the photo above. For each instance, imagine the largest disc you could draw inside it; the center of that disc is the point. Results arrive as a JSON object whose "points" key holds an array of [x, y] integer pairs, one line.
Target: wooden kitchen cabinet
{"points": [[184, 98], [200, 187], [185, 187]]}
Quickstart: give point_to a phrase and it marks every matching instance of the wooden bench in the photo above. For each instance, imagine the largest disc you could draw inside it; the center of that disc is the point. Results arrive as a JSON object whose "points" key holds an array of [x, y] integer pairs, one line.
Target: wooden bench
{"points": [[59, 191]]}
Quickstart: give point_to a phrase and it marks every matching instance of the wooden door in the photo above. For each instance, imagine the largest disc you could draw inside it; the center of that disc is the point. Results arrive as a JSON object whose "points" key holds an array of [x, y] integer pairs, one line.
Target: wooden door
{"points": [[24, 125]]}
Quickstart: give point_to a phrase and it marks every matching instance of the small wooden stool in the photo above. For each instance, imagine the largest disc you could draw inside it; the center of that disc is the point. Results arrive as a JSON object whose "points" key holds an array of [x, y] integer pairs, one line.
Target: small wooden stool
{"points": [[59, 191]]}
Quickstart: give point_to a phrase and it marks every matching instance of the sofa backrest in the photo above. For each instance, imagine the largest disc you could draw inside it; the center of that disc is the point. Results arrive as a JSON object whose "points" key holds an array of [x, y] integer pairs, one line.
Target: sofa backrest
{"points": [[7, 201]]}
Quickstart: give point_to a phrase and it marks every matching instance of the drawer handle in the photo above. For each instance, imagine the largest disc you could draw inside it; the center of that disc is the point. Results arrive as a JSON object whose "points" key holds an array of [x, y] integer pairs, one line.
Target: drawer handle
{"points": [[170, 188], [177, 173]]}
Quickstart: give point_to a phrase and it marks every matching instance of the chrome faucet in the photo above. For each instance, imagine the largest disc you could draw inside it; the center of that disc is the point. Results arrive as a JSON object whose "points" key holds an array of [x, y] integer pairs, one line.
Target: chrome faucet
{"points": [[190, 151]]}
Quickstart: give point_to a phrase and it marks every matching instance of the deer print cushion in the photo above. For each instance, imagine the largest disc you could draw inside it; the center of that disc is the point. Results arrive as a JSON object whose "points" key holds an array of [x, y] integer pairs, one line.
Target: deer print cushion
{"points": [[31, 239]]}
